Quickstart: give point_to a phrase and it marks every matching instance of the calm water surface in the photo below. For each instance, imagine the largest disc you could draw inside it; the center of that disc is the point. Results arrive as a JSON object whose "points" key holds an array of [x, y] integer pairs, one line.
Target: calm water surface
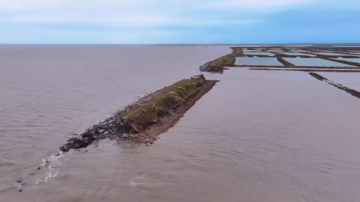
{"points": [[257, 61], [292, 53], [351, 80], [258, 53], [315, 62], [351, 59], [257, 136], [333, 54]]}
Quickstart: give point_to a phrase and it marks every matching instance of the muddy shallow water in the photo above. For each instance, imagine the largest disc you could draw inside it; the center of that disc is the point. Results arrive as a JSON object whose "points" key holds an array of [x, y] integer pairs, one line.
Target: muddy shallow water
{"points": [[350, 80], [357, 60], [258, 53], [315, 62], [257, 136], [257, 61]]}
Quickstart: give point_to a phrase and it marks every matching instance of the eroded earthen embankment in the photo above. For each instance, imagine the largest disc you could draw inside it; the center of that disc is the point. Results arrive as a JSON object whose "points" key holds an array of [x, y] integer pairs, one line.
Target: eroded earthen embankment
{"points": [[144, 120], [218, 65], [337, 85]]}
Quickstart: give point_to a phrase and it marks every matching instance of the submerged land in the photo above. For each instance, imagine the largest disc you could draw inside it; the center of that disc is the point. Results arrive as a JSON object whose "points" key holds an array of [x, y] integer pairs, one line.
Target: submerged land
{"points": [[339, 56], [309, 58], [261, 122], [154, 113]]}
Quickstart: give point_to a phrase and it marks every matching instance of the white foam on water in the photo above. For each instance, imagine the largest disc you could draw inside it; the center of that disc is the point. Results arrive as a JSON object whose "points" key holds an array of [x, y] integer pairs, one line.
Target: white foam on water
{"points": [[51, 165]]}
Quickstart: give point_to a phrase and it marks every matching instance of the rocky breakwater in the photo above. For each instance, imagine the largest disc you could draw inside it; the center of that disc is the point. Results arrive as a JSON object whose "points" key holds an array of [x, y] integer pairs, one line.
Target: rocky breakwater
{"points": [[144, 120], [218, 65]]}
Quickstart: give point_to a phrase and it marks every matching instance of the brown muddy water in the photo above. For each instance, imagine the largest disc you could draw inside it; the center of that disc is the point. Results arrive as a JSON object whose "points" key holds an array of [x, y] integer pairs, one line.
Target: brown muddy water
{"points": [[257, 136]]}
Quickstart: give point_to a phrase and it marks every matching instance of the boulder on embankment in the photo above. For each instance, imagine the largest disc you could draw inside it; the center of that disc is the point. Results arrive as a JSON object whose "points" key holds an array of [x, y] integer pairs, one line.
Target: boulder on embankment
{"points": [[139, 117], [218, 64], [147, 118], [237, 52]]}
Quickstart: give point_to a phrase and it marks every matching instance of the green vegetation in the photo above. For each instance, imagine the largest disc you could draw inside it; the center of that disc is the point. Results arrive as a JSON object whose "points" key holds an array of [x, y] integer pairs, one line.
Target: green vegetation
{"points": [[218, 64], [237, 52], [225, 60], [141, 116]]}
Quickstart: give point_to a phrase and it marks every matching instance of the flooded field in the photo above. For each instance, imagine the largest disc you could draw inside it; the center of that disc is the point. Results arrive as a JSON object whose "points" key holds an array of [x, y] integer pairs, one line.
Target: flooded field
{"points": [[258, 53], [351, 80], [257, 61], [351, 59], [50, 92], [315, 62], [357, 53], [296, 54], [256, 136], [332, 54]]}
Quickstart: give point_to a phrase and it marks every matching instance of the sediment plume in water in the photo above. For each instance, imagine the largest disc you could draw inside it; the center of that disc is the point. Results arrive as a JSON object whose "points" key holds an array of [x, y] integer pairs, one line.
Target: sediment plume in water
{"points": [[337, 85], [144, 120]]}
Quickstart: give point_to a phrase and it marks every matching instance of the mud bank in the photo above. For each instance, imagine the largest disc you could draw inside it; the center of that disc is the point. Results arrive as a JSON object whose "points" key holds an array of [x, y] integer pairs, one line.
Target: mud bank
{"points": [[218, 65], [237, 52], [151, 115], [337, 85], [284, 62]]}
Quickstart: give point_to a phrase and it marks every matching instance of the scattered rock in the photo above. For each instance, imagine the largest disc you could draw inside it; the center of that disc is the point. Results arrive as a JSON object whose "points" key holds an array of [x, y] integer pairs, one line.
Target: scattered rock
{"points": [[19, 184], [132, 121], [218, 64], [20, 181]]}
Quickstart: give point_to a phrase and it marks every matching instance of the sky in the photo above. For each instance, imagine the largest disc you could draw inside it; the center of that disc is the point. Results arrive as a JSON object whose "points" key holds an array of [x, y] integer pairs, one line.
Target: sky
{"points": [[179, 21]]}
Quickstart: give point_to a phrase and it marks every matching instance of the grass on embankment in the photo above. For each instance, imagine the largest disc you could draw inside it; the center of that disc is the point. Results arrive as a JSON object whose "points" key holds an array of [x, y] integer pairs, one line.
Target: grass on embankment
{"points": [[237, 52], [218, 64], [142, 116]]}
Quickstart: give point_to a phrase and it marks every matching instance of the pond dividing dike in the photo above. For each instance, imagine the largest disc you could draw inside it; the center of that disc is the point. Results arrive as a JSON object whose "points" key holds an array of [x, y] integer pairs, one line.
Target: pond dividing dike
{"points": [[306, 59], [257, 136], [144, 120]]}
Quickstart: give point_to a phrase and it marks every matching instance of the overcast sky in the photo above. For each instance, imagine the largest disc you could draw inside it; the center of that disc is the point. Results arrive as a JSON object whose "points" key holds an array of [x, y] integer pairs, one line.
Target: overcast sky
{"points": [[179, 21]]}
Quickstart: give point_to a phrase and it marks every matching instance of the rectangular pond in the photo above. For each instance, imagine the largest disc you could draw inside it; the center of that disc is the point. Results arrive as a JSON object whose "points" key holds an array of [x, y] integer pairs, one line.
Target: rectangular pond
{"points": [[269, 124], [350, 59], [257, 61], [314, 62], [295, 53], [333, 54], [258, 53], [350, 80], [354, 52]]}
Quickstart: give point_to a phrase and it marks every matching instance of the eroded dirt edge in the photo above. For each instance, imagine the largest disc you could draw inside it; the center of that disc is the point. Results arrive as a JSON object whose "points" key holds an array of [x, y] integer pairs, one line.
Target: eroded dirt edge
{"points": [[114, 127], [337, 85]]}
